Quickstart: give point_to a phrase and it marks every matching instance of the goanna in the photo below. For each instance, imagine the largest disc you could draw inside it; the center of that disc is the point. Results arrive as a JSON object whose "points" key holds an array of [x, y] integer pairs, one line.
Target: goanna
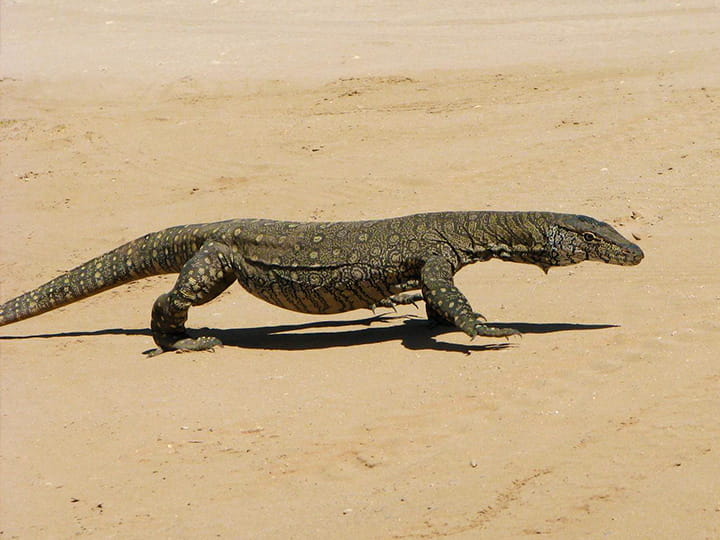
{"points": [[331, 267]]}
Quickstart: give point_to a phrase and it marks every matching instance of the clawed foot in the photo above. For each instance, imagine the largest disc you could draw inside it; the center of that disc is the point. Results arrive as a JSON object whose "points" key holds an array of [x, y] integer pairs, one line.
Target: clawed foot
{"points": [[183, 343], [401, 299], [474, 325], [493, 331]]}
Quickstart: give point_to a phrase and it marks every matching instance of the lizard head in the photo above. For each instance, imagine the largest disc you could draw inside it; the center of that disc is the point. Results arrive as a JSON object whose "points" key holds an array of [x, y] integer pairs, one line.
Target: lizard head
{"points": [[573, 238]]}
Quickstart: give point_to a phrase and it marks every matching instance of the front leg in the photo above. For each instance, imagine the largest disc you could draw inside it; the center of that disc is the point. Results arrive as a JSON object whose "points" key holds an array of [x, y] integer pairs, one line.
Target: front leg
{"points": [[445, 303]]}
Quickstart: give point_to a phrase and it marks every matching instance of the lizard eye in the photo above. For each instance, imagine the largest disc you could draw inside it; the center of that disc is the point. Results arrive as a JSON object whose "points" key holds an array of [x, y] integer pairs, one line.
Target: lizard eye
{"points": [[590, 237]]}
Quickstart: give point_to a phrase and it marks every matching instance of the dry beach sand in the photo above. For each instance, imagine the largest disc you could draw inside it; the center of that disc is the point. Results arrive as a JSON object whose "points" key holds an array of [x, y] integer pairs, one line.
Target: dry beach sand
{"points": [[603, 421]]}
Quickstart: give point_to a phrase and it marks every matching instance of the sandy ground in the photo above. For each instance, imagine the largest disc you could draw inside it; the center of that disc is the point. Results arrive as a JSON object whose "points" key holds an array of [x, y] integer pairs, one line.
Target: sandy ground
{"points": [[602, 421]]}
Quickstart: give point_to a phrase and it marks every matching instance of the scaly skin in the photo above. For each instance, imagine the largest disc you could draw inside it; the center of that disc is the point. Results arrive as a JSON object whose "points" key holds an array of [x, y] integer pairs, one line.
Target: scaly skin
{"points": [[331, 267]]}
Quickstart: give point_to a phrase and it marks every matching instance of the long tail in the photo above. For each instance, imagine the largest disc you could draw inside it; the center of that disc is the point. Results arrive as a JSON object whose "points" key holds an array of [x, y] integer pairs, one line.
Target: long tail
{"points": [[162, 252]]}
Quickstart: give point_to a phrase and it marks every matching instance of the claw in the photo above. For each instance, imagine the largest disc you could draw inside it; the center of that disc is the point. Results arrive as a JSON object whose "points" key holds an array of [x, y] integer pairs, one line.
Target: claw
{"points": [[395, 300], [492, 331], [183, 343]]}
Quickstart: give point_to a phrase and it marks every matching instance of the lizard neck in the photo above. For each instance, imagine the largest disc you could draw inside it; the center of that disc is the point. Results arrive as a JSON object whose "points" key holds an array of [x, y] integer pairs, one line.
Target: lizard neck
{"points": [[508, 236]]}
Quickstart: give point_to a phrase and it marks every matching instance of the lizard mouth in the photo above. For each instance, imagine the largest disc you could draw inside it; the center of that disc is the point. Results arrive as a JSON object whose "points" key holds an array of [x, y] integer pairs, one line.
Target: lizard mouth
{"points": [[626, 257]]}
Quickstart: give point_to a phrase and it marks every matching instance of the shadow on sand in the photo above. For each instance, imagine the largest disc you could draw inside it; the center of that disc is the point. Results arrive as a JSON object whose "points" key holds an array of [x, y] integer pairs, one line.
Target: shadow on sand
{"points": [[414, 333]]}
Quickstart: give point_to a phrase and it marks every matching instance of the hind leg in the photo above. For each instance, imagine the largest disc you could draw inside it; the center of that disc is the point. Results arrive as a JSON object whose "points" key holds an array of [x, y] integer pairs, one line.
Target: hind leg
{"points": [[203, 278], [400, 299]]}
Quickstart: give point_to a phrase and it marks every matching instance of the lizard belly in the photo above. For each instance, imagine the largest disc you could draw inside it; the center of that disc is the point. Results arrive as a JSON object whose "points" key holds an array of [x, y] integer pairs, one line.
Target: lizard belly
{"points": [[320, 290]]}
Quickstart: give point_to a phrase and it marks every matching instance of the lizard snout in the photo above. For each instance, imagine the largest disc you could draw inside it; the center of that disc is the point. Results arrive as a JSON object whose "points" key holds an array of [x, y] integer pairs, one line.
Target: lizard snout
{"points": [[633, 255]]}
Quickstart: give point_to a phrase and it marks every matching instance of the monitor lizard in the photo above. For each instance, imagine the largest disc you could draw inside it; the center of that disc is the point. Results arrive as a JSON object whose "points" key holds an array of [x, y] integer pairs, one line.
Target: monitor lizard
{"points": [[331, 267]]}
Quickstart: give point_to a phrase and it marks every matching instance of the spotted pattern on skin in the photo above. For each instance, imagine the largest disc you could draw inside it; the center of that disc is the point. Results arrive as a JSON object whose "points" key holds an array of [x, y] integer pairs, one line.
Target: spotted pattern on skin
{"points": [[331, 267]]}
